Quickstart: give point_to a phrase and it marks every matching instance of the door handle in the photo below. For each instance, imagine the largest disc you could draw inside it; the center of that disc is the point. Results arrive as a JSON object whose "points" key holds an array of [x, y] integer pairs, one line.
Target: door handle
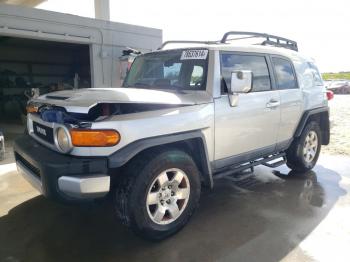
{"points": [[273, 103]]}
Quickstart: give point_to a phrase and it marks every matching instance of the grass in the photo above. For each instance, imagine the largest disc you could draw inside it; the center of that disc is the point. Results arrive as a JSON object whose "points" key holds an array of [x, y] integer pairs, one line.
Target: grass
{"points": [[340, 75]]}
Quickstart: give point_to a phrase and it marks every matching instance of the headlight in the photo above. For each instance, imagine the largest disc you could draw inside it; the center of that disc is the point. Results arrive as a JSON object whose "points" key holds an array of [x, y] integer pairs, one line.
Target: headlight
{"points": [[63, 140]]}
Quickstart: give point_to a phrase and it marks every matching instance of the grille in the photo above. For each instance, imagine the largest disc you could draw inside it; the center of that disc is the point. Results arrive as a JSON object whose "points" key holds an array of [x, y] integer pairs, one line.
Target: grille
{"points": [[43, 132], [28, 165]]}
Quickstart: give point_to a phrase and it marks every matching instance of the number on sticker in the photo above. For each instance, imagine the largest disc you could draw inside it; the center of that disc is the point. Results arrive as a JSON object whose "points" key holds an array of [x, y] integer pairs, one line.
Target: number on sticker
{"points": [[194, 54]]}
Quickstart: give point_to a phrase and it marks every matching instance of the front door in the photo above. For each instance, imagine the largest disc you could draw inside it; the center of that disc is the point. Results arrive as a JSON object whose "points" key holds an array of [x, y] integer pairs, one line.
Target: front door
{"points": [[249, 129]]}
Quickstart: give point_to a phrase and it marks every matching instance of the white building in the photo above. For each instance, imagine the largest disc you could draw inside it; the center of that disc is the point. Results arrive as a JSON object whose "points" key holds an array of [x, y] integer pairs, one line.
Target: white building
{"points": [[50, 51]]}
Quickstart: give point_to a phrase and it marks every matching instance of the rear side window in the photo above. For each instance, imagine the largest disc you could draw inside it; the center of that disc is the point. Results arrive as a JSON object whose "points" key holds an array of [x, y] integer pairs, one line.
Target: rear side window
{"points": [[316, 74], [256, 64], [284, 74]]}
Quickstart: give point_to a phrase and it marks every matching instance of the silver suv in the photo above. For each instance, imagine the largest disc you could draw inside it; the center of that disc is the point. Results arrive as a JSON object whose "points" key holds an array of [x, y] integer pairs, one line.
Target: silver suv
{"points": [[183, 117]]}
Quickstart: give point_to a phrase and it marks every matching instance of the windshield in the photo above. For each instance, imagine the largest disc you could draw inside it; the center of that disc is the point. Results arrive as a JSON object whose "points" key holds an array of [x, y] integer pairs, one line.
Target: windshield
{"points": [[174, 69]]}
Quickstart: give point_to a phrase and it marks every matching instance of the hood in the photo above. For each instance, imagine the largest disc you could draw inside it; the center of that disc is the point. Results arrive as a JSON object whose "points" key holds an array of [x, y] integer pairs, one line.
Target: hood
{"points": [[81, 100]]}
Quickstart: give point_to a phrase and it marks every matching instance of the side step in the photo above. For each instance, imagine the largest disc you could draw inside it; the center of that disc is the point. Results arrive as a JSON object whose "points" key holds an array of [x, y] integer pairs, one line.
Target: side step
{"points": [[276, 164], [250, 165]]}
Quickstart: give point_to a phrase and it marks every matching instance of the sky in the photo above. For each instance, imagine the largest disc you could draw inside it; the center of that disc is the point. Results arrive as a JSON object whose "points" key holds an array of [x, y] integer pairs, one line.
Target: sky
{"points": [[321, 28]]}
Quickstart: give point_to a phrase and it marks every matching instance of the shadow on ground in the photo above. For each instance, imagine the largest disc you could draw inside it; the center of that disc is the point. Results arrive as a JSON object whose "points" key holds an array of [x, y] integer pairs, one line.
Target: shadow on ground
{"points": [[261, 217]]}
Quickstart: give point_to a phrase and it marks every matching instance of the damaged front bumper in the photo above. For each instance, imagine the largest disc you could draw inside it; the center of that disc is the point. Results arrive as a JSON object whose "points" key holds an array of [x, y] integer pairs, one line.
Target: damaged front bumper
{"points": [[61, 177]]}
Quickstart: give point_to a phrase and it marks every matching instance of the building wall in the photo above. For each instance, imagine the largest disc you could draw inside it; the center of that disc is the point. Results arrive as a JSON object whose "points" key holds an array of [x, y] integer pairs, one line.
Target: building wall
{"points": [[106, 39]]}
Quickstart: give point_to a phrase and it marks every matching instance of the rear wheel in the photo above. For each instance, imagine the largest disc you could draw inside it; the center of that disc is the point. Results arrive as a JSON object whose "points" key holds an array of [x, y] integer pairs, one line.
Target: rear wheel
{"points": [[304, 151], [158, 193]]}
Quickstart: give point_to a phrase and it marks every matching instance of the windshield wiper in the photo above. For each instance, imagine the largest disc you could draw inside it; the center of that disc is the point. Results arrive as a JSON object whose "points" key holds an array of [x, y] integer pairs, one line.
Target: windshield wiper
{"points": [[140, 84]]}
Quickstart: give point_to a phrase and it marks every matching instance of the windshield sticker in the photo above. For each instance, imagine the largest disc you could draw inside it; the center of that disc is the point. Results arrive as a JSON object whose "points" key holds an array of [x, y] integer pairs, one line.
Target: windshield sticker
{"points": [[194, 54]]}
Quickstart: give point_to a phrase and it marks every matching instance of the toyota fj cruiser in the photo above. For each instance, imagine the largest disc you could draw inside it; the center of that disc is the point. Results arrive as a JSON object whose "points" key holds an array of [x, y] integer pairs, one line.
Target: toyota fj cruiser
{"points": [[184, 117]]}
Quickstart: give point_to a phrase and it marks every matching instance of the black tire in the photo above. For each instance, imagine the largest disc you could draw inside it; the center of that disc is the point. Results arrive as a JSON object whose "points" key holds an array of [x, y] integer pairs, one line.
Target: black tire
{"points": [[295, 157], [131, 192]]}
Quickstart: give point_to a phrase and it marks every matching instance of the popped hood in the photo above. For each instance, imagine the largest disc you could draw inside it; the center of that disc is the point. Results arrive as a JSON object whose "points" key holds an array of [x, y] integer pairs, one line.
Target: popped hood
{"points": [[82, 100]]}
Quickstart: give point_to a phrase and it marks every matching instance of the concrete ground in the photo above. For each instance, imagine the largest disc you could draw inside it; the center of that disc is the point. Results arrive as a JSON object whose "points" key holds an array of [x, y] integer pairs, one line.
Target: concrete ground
{"points": [[267, 216]]}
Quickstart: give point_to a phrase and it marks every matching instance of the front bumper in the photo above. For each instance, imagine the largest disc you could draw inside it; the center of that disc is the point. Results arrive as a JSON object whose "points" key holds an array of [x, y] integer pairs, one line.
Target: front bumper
{"points": [[58, 176]]}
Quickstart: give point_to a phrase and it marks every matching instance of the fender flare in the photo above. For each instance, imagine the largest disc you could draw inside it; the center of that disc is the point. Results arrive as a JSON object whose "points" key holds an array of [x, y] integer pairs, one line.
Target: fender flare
{"points": [[123, 155], [310, 113]]}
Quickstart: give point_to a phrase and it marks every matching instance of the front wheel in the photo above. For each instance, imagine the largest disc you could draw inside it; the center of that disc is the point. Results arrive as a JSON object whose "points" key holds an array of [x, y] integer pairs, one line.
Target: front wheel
{"points": [[305, 150], [158, 194]]}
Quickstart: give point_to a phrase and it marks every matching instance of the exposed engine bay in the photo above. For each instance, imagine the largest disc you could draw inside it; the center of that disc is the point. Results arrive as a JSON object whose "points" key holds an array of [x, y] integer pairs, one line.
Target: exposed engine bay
{"points": [[80, 108], [57, 114]]}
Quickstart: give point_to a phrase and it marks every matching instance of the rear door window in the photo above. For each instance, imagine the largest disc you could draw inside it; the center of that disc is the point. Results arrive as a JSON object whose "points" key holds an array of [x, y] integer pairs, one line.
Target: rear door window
{"points": [[285, 76]]}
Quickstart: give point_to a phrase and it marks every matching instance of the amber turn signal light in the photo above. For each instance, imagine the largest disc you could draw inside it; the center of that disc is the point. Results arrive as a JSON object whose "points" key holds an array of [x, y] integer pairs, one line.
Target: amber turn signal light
{"points": [[32, 109], [94, 137]]}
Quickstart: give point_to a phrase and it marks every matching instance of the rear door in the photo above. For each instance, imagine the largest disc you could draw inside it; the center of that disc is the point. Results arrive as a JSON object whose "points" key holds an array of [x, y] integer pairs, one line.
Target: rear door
{"points": [[249, 129], [290, 99]]}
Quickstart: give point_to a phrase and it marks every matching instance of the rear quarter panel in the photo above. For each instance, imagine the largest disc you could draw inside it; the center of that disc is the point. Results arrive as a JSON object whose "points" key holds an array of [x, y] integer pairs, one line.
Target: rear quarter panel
{"points": [[314, 95]]}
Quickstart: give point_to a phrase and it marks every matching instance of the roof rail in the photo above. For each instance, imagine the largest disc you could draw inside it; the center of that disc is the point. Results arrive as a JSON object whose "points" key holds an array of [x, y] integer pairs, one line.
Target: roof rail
{"points": [[186, 42], [270, 39]]}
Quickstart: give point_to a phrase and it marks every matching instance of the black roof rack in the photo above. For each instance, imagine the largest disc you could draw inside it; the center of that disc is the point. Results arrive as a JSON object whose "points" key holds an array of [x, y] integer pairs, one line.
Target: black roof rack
{"points": [[186, 42], [270, 39]]}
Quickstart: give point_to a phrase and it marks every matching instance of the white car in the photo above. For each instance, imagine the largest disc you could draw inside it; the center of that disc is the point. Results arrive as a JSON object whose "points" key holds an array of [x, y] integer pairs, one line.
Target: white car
{"points": [[184, 117]]}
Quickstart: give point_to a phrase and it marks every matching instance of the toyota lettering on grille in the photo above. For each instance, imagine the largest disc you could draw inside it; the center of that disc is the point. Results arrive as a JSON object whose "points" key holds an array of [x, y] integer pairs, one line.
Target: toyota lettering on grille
{"points": [[41, 130]]}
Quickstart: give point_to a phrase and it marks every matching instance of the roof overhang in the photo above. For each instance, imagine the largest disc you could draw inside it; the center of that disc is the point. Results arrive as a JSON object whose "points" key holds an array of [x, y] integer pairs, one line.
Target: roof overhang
{"points": [[28, 3]]}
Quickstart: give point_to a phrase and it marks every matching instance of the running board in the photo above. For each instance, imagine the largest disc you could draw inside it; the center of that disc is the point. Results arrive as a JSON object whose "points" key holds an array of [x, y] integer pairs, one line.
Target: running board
{"points": [[276, 164], [250, 165]]}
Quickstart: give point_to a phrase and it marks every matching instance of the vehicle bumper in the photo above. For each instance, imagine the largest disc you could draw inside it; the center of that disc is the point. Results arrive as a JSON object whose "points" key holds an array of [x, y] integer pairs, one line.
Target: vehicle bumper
{"points": [[61, 177]]}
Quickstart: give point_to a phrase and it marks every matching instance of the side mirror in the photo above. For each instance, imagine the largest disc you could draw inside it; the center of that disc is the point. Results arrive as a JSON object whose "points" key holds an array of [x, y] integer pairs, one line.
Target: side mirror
{"points": [[241, 81]]}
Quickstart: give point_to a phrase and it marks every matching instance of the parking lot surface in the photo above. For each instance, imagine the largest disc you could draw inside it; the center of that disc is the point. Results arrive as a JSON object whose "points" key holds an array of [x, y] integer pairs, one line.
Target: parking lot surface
{"points": [[265, 216]]}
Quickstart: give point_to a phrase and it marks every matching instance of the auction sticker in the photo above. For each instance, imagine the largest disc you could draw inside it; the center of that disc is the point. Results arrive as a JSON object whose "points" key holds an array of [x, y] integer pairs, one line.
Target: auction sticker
{"points": [[194, 54]]}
